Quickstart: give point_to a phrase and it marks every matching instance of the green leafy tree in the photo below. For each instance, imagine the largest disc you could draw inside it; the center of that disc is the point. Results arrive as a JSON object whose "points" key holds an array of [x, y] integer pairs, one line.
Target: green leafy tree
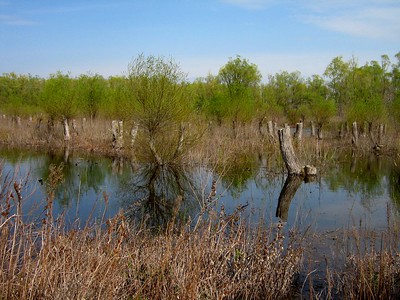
{"points": [[321, 108], [340, 83], [241, 80], [19, 94], [118, 102], [288, 90], [158, 89], [59, 99], [210, 99], [395, 88], [91, 93], [367, 104]]}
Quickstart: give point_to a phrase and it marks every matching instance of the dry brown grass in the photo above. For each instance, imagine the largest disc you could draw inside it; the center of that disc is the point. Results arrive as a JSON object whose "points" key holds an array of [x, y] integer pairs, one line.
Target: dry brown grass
{"points": [[205, 143], [219, 258]]}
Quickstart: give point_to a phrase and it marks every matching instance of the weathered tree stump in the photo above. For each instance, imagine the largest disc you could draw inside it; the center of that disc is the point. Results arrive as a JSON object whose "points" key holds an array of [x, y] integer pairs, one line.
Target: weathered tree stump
{"points": [[289, 157], [67, 135], [298, 135], [310, 171], [74, 127], [381, 131], [365, 130], [313, 131], [118, 134], [270, 129], [320, 134], [354, 132]]}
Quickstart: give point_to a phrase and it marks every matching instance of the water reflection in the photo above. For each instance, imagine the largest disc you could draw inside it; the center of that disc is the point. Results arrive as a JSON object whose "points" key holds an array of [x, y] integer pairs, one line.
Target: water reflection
{"points": [[292, 184], [349, 189], [157, 194]]}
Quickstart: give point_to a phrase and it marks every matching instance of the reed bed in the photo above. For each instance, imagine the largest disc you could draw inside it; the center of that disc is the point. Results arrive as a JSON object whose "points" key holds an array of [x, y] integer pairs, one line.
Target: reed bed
{"points": [[218, 258]]}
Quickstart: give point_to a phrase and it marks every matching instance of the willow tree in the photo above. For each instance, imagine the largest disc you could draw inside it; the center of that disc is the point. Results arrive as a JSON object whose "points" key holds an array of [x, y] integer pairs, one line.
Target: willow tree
{"points": [[91, 93], [241, 80], [368, 104], [59, 100], [288, 91], [160, 105], [321, 108], [19, 94]]}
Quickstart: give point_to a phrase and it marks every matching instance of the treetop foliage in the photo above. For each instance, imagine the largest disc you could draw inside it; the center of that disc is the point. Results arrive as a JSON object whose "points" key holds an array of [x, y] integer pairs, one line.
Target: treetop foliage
{"points": [[156, 92]]}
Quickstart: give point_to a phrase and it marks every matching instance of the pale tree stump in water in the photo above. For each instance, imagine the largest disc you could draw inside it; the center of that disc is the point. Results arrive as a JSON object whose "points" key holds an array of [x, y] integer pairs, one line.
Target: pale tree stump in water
{"points": [[270, 129], [298, 135], [67, 135], [313, 131], [292, 163], [118, 134], [289, 157], [354, 132]]}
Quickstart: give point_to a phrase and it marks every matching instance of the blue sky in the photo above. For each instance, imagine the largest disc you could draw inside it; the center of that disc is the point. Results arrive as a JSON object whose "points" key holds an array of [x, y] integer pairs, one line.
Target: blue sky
{"points": [[41, 37]]}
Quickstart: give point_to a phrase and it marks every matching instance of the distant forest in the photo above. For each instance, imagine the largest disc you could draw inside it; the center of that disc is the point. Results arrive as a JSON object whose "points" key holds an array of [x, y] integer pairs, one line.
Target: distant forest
{"points": [[346, 91]]}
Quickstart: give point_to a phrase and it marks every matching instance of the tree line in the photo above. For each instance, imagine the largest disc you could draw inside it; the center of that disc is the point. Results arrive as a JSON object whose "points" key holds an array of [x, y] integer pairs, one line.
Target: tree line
{"points": [[156, 91]]}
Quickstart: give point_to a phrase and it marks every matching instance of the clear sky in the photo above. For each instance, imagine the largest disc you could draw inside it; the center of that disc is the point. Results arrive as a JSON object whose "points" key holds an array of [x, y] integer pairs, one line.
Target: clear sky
{"points": [[41, 37]]}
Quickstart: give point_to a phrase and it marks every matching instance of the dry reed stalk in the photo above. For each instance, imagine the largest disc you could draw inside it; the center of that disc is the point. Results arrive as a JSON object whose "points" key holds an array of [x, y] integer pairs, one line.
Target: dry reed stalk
{"points": [[221, 258]]}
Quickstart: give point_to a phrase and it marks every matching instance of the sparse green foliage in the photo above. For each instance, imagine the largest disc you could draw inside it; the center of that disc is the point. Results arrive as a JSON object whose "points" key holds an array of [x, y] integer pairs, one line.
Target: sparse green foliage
{"points": [[288, 90], [19, 94], [240, 80], [91, 94], [59, 97], [160, 104], [118, 102]]}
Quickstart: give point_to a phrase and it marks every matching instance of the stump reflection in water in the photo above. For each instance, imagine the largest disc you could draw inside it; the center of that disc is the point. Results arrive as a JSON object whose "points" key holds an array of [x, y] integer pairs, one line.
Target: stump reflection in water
{"points": [[292, 183]]}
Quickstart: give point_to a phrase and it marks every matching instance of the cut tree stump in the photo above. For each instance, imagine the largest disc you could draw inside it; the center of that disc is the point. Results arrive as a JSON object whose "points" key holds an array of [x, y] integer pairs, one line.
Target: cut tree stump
{"points": [[117, 128], [289, 157], [292, 163], [298, 135]]}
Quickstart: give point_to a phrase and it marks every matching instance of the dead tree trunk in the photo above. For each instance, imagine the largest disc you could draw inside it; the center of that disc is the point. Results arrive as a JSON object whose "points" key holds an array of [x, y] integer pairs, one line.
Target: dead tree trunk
{"points": [[271, 133], [260, 127], [74, 127], [289, 157], [292, 183], [67, 135], [354, 133], [298, 135], [320, 135], [118, 134], [313, 134], [365, 129], [380, 133]]}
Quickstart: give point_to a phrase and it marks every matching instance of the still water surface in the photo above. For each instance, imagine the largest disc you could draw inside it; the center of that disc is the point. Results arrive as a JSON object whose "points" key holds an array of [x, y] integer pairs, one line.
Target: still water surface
{"points": [[352, 192]]}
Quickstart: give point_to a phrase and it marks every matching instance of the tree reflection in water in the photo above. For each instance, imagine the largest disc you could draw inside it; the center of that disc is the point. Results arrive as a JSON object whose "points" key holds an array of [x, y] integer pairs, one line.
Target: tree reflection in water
{"points": [[158, 194]]}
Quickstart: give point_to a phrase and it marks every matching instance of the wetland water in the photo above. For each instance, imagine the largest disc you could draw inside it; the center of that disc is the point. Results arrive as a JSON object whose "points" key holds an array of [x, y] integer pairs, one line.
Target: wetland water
{"points": [[354, 191]]}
